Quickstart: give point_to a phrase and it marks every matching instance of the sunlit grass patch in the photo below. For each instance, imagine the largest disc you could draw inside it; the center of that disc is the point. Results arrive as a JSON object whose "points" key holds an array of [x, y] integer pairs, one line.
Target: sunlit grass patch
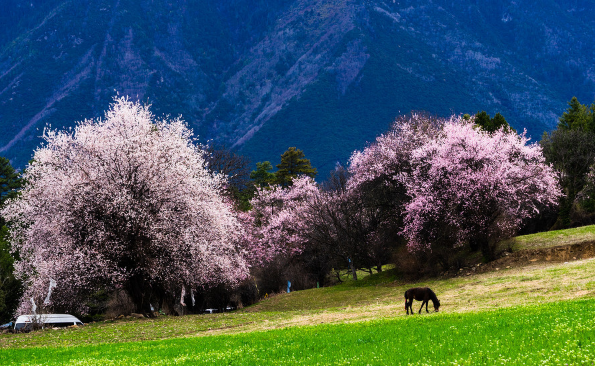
{"points": [[553, 238]]}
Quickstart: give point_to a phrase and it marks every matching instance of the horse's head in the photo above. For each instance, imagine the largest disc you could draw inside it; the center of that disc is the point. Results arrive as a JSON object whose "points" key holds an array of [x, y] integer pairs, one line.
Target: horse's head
{"points": [[436, 305]]}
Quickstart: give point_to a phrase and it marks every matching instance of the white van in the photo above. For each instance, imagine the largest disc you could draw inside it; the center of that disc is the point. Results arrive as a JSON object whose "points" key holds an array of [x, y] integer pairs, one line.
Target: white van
{"points": [[27, 322]]}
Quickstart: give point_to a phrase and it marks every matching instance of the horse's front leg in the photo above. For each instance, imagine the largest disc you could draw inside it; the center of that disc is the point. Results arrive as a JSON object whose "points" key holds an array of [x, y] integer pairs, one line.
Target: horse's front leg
{"points": [[422, 305], [427, 301]]}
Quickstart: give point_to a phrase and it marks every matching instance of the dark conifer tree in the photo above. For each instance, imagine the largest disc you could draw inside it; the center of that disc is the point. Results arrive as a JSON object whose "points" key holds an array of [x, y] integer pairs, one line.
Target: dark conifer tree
{"points": [[293, 164], [571, 150], [11, 289]]}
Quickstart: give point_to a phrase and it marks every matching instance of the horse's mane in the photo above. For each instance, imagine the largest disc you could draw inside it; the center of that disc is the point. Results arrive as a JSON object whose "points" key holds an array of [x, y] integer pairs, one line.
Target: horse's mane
{"points": [[433, 296]]}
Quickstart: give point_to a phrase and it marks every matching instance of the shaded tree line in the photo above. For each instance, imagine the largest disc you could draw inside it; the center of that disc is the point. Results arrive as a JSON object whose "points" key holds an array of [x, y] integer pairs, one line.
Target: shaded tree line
{"points": [[11, 288], [570, 148]]}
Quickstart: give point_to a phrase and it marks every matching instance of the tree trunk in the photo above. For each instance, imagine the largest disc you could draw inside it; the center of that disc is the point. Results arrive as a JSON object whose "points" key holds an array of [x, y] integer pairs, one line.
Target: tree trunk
{"points": [[487, 250], [139, 291], [338, 274], [354, 272]]}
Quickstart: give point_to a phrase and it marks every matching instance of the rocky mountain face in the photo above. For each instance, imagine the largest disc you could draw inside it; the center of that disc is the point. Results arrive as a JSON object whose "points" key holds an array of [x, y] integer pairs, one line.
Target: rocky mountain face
{"points": [[262, 75]]}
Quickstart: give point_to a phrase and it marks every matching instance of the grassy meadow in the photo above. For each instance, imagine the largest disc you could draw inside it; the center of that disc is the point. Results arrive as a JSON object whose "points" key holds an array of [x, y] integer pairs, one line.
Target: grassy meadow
{"points": [[554, 333], [537, 314], [554, 238]]}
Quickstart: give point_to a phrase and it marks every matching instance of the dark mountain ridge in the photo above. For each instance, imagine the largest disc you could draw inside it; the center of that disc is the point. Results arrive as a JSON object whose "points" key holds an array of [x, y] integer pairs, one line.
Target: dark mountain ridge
{"points": [[325, 76]]}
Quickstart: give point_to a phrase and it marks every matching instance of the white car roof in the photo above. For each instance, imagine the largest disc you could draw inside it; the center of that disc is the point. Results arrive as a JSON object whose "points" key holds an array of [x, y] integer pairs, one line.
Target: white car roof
{"points": [[48, 318]]}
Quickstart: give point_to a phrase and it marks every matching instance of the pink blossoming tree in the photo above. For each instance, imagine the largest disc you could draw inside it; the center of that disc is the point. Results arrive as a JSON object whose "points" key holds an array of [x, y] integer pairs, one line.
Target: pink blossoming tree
{"points": [[471, 187], [276, 220], [388, 159], [376, 190], [277, 234], [122, 203]]}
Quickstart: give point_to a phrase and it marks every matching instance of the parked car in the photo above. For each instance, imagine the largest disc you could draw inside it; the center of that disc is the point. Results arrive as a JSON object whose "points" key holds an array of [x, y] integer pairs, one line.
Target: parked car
{"points": [[28, 322]]}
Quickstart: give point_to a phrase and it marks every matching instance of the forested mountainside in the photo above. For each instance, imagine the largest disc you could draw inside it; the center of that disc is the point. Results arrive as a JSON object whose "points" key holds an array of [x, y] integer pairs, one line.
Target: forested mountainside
{"points": [[261, 75]]}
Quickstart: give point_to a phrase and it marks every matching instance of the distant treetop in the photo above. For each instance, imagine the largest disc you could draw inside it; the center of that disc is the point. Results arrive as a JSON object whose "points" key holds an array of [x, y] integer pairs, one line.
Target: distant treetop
{"points": [[578, 117], [486, 123]]}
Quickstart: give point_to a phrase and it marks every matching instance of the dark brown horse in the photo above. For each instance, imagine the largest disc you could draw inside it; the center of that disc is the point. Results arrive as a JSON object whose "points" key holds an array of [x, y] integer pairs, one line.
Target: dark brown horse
{"points": [[422, 294]]}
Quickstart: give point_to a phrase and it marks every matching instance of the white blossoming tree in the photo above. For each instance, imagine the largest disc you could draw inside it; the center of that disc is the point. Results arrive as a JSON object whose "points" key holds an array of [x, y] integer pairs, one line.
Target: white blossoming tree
{"points": [[122, 203]]}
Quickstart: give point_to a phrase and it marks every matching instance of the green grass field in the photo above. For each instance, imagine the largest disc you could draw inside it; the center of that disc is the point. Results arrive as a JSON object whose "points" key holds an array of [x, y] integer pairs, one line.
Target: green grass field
{"points": [[554, 238], [538, 314], [555, 333]]}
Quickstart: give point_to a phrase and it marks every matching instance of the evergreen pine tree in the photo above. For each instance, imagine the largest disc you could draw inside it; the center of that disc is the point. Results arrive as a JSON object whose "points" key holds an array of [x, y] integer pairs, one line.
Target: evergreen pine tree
{"points": [[11, 289], [293, 164], [576, 117], [486, 123], [10, 181], [263, 176]]}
